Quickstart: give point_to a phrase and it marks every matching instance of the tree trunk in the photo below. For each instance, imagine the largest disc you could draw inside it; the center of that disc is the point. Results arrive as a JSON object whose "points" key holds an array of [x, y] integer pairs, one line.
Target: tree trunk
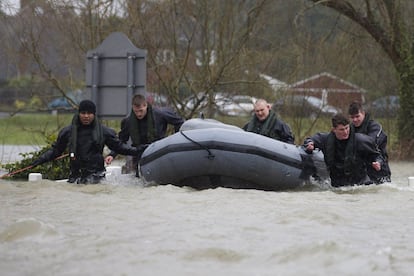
{"points": [[406, 113], [390, 30]]}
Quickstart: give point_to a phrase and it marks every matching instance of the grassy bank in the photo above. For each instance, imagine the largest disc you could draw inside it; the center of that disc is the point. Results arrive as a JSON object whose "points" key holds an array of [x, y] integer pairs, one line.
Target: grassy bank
{"points": [[32, 129], [304, 127]]}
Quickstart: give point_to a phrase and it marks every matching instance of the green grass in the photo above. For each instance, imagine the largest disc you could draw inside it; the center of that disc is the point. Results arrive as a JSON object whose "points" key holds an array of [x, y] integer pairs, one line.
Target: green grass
{"points": [[32, 129], [301, 127], [304, 127]]}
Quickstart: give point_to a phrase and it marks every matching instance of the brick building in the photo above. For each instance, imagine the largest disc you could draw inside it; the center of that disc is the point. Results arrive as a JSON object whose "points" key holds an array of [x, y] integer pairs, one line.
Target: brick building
{"points": [[331, 89]]}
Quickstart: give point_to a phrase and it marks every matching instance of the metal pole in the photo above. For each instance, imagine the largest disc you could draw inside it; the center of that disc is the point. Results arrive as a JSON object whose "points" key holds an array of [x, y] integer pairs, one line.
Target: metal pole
{"points": [[130, 78], [95, 77]]}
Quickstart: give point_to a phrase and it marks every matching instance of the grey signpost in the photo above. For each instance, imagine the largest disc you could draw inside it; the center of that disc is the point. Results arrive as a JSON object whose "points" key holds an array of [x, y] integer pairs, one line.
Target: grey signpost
{"points": [[115, 71]]}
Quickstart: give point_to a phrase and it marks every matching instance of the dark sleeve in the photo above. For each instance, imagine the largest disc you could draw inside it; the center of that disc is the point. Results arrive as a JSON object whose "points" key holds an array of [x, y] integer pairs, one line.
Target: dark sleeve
{"points": [[124, 132], [376, 132], [168, 116], [367, 148], [58, 147], [116, 145], [285, 133], [123, 135], [319, 140]]}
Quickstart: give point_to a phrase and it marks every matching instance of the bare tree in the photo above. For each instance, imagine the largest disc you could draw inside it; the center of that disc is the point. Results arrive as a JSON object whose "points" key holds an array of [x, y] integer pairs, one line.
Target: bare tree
{"points": [[52, 37], [391, 26], [196, 48]]}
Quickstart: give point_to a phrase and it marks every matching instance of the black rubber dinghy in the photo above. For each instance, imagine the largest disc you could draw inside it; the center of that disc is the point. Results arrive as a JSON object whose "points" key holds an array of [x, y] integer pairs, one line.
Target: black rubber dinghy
{"points": [[209, 154]]}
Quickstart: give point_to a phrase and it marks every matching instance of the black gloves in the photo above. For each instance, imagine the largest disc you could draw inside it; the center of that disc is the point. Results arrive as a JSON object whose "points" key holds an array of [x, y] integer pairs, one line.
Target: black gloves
{"points": [[142, 147], [305, 145], [306, 142]]}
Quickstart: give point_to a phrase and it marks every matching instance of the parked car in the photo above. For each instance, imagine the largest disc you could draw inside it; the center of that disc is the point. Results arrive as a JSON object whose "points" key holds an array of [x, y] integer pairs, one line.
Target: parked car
{"points": [[228, 105], [199, 102], [238, 105], [62, 103], [387, 106], [304, 106], [157, 100]]}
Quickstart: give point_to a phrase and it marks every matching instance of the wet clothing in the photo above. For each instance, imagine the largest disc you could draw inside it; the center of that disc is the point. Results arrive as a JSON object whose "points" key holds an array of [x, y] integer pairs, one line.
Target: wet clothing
{"points": [[271, 127], [375, 131], [151, 128], [85, 144], [347, 160]]}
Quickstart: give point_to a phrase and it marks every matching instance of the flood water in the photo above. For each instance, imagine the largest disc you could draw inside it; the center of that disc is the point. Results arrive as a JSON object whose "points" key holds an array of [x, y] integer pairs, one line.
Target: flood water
{"points": [[123, 227]]}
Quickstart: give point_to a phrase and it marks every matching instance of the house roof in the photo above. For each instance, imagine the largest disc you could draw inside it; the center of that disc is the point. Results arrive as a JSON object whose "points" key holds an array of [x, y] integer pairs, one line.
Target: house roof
{"points": [[273, 82], [325, 81]]}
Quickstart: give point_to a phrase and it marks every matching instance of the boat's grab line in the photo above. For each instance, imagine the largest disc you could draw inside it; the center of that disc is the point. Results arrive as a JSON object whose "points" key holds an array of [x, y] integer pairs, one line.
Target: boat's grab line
{"points": [[210, 145], [210, 155]]}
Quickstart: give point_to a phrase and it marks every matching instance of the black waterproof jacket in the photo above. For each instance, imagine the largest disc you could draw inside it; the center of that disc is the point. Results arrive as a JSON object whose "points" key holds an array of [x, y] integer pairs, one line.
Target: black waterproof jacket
{"points": [[163, 116], [347, 167], [272, 127], [375, 131], [88, 158]]}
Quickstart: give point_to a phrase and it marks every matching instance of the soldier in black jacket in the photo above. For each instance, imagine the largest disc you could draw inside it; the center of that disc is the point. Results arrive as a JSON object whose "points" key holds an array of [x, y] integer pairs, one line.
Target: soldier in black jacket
{"points": [[85, 138], [144, 125], [362, 123], [346, 153], [265, 122]]}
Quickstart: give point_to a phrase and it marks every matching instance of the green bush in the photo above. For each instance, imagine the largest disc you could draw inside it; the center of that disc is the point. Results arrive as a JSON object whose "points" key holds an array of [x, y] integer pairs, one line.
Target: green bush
{"points": [[54, 170]]}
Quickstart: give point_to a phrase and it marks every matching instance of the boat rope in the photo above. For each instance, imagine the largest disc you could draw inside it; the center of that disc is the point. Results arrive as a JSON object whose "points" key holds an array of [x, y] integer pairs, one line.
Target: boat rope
{"points": [[210, 155]]}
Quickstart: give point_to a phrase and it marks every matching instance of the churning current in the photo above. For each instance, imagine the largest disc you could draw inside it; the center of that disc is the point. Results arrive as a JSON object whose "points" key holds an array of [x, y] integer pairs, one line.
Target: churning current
{"points": [[123, 227]]}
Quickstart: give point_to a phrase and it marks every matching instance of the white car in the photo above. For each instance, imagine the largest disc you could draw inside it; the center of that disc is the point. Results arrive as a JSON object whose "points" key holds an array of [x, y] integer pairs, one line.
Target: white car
{"points": [[229, 105], [237, 105], [200, 101], [304, 106]]}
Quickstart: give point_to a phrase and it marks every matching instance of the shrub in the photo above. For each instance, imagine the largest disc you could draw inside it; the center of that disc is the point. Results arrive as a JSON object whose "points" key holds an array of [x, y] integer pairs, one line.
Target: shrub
{"points": [[56, 169]]}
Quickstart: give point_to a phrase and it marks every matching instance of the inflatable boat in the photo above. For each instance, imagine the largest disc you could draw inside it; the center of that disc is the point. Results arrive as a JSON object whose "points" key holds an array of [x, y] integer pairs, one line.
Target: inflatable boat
{"points": [[206, 153]]}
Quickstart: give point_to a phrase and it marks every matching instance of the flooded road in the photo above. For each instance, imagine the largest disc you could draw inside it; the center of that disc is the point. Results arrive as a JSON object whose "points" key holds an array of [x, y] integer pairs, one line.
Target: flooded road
{"points": [[124, 228]]}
